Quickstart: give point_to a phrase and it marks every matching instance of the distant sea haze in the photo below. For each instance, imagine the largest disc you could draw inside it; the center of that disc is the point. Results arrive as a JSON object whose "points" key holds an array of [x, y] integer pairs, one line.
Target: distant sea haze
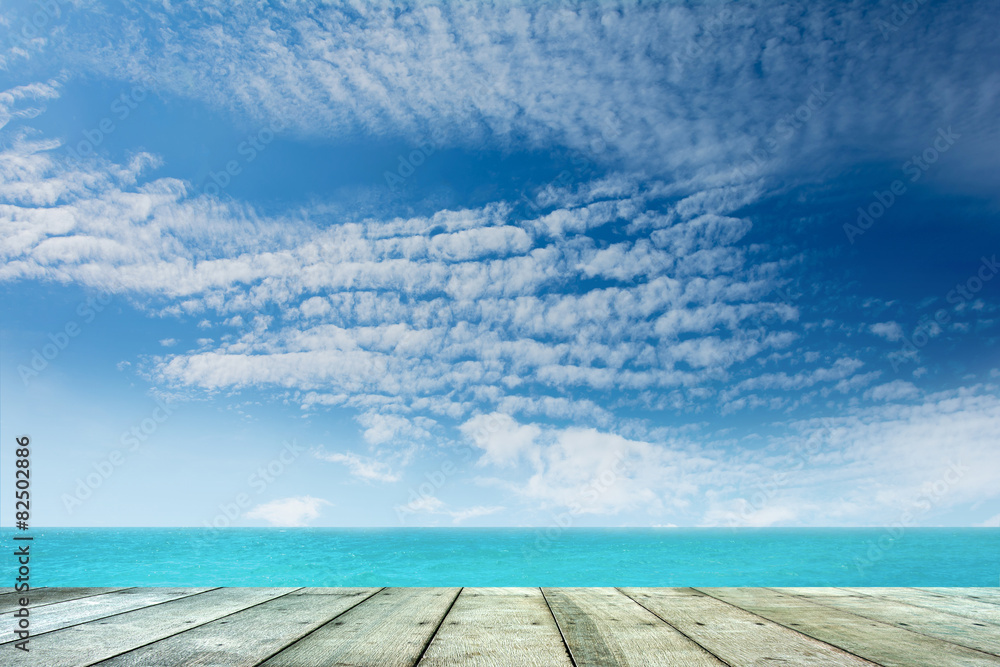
{"points": [[516, 557]]}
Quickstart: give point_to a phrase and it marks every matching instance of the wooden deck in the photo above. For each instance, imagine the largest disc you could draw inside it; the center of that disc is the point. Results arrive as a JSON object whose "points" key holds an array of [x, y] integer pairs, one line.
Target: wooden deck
{"points": [[285, 627]]}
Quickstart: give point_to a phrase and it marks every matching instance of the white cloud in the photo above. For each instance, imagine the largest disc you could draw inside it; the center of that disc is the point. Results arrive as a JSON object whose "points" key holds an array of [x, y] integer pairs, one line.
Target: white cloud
{"points": [[498, 312], [365, 468], [386, 428], [482, 309], [868, 467], [168, 342], [893, 391], [891, 331], [502, 440], [617, 84], [426, 504], [289, 512], [458, 516]]}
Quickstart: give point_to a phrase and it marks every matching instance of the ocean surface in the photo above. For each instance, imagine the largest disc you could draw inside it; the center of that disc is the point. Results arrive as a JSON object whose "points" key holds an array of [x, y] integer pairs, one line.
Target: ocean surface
{"points": [[511, 557]]}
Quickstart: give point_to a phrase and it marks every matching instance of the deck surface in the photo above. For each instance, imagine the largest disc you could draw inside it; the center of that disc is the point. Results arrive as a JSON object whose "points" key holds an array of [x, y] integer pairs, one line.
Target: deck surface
{"points": [[286, 627]]}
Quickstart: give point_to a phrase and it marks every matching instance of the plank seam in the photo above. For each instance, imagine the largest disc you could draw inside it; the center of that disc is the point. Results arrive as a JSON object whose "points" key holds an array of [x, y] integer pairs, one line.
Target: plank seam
{"points": [[678, 630], [891, 625], [117, 613], [440, 623], [321, 625], [136, 648], [555, 620], [875, 596], [804, 634], [82, 597], [961, 595], [4, 595]]}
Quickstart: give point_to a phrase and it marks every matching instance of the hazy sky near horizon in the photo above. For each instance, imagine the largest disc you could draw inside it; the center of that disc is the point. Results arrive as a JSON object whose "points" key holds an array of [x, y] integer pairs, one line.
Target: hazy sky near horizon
{"points": [[342, 264]]}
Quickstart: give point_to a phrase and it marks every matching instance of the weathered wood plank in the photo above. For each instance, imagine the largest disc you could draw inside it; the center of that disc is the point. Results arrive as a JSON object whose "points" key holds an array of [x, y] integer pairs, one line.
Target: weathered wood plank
{"points": [[881, 643], [602, 626], [961, 606], [332, 590], [990, 595], [496, 627], [91, 642], [43, 596], [246, 638], [734, 635], [389, 629], [71, 612], [931, 622]]}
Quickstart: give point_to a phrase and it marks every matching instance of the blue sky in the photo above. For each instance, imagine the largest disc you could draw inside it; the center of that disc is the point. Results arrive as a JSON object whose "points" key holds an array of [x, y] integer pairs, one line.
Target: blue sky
{"points": [[502, 264]]}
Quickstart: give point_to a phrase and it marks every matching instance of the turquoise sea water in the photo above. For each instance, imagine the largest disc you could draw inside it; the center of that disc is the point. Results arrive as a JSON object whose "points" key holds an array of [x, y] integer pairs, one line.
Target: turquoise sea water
{"points": [[512, 557]]}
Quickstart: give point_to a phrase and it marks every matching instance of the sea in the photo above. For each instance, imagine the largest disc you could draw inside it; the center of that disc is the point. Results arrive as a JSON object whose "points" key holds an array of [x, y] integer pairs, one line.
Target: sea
{"points": [[551, 556]]}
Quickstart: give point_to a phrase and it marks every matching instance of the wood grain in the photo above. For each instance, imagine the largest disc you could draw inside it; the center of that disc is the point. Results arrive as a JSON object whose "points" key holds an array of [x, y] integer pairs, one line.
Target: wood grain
{"points": [[89, 643], [602, 626], [42, 596], [734, 635], [881, 643], [931, 622], [248, 637], [974, 609], [71, 612], [389, 629], [497, 627]]}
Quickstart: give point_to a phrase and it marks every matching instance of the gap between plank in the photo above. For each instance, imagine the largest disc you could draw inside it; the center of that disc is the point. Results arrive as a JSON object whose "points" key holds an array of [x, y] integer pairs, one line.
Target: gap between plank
{"points": [[440, 623], [681, 632], [135, 648], [117, 613], [321, 625], [891, 625], [765, 618], [555, 620]]}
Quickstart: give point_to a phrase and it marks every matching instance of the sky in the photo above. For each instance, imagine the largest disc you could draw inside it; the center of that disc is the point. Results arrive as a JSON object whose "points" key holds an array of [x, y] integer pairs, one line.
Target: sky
{"points": [[501, 264]]}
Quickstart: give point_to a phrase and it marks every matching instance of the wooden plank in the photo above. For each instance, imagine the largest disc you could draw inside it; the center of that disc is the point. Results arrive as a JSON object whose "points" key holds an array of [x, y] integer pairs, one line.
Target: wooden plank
{"points": [[931, 622], [961, 606], [990, 595], [246, 638], [734, 635], [64, 614], [91, 642], [602, 626], [498, 626], [389, 629], [332, 590], [881, 643], [42, 596]]}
